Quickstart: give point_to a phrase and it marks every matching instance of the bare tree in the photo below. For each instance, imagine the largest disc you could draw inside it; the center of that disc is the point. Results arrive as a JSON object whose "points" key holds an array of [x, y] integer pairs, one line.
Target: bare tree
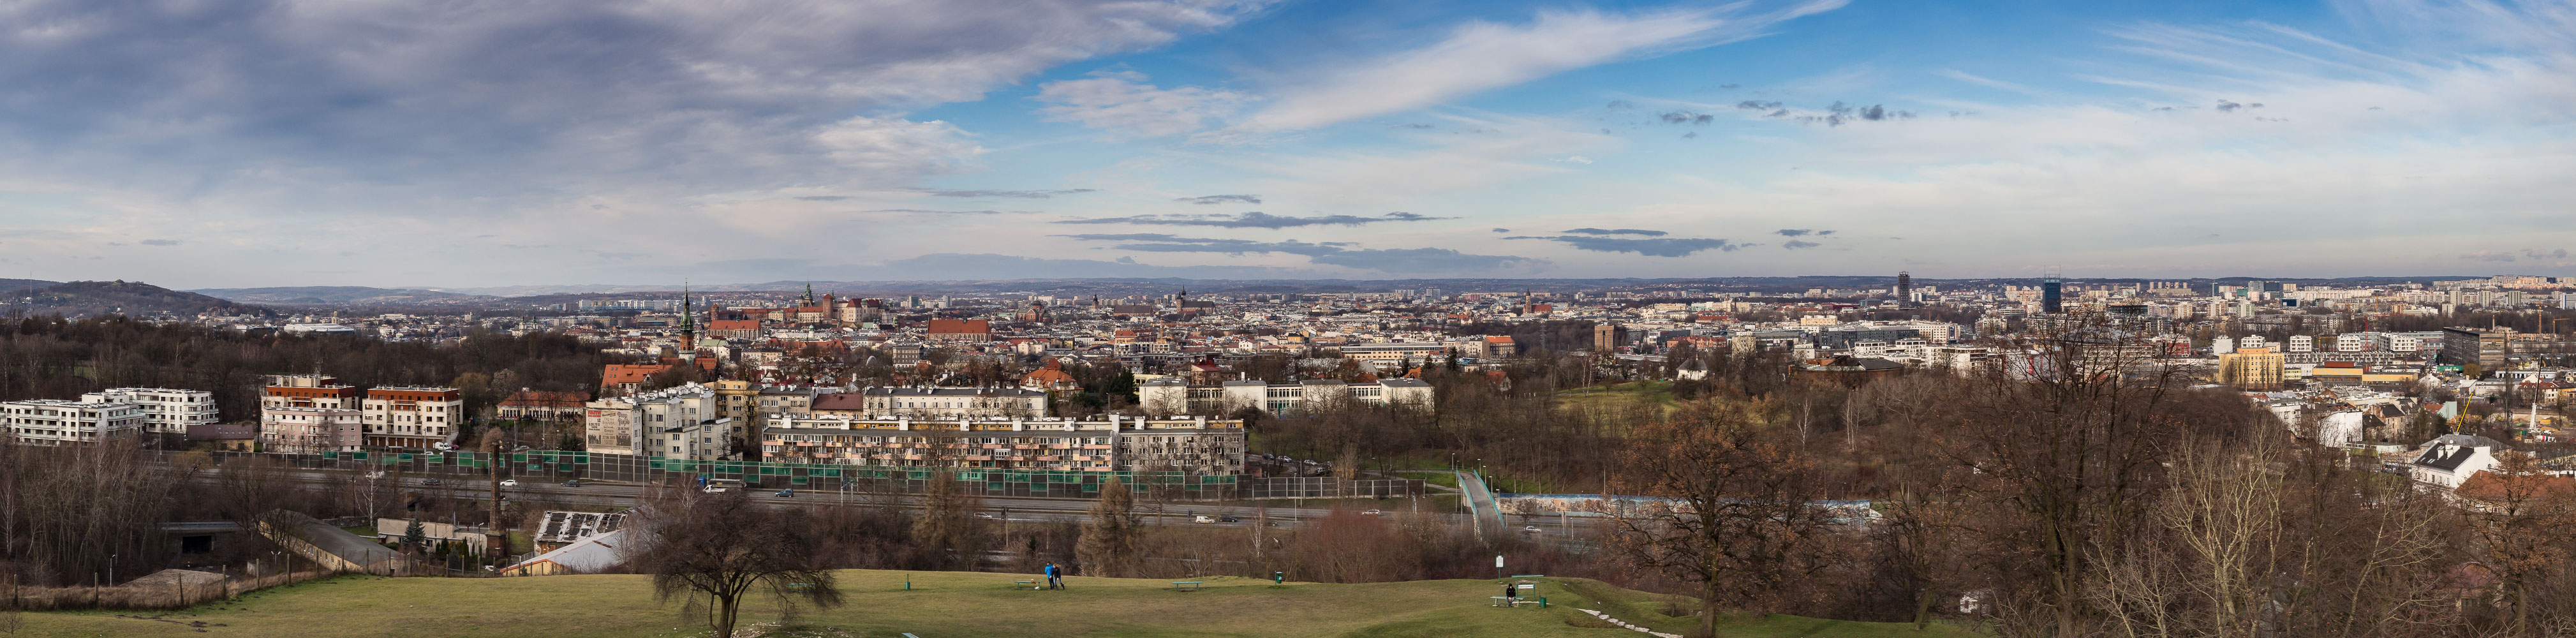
{"points": [[947, 526], [1732, 510], [1109, 541], [729, 550]]}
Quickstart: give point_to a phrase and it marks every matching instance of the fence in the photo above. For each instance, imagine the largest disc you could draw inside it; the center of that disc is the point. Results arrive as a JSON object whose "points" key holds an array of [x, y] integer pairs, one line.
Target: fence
{"points": [[555, 466], [140, 595]]}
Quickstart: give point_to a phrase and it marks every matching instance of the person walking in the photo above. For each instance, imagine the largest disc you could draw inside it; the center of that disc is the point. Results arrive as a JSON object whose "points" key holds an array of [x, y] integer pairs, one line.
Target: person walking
{"points": [[1055, 577]]}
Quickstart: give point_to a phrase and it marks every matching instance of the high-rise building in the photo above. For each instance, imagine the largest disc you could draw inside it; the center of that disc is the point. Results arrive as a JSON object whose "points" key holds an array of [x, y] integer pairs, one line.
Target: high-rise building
{"points": [[1904, 287], [2051, 300]]}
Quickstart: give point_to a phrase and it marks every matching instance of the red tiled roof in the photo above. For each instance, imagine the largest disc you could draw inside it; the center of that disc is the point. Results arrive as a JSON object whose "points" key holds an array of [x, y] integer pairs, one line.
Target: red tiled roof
{"points": [[960, 326]]}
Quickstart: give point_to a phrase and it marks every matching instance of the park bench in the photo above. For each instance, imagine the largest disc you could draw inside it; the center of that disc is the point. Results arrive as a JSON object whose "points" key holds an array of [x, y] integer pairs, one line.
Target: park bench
{"points": [[1031, 584], [1505, 601], [1192, 584]]}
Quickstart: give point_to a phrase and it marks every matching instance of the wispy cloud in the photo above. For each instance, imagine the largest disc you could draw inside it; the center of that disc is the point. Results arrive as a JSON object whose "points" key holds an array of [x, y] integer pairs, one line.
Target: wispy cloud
{"points": [[1220, 199], [1255, 219], [1013, 194], [1393, 260], [1484, 55], [1801, 232], [1662, 247], [1121, 103], [1615, 231]]}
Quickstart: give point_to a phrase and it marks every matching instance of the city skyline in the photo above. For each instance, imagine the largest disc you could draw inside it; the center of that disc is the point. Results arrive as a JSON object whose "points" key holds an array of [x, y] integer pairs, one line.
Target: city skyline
{"points": [[256, 144]]}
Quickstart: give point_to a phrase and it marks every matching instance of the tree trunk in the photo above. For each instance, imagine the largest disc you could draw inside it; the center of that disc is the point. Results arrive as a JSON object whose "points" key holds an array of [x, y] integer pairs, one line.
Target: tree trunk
{"points": [[1708, 606], [1923, 607], [725, 608]]}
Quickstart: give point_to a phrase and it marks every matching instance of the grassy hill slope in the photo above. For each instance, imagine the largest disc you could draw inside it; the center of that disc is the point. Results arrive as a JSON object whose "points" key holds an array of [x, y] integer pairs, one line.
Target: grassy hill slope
{"points": [[940, 605]]}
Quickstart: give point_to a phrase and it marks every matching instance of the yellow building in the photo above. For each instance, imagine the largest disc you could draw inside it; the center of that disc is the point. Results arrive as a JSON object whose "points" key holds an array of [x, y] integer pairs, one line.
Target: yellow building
{"points": [[2251, 369]]}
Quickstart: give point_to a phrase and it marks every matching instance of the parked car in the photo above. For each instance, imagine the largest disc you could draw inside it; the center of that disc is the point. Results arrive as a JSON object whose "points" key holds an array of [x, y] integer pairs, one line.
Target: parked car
{"points": [[1530, 529], [376, 474], [787, 493], [442, 447], [572, 483], [1372, 512]]}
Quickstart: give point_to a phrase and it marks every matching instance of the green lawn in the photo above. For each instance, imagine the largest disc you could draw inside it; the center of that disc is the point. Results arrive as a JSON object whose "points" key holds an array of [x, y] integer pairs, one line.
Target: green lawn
{"points": [[940, 605]]}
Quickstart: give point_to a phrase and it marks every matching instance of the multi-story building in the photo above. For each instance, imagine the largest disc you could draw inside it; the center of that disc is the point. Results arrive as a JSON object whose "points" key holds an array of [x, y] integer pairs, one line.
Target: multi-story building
{"points": [[1396, 352], [1196, 445], [308, 391], [56, 422], [1171, 395], [399, 416], [2354, 342], [2300, 343], [541, 405], [310, 430], [2484, 348], [678, 422], [2251, 369], [165, 411], [935, 403]]}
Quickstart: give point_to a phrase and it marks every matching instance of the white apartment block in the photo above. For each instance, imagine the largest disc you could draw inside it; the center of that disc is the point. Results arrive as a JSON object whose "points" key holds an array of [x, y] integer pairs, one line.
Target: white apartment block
{"points": [[938, 403], [56, 422], [1197, 445], [293, 430], [2354, 342], [419, 417], [674, 422], [165, 411], [2301, 343], [1171, 395]]}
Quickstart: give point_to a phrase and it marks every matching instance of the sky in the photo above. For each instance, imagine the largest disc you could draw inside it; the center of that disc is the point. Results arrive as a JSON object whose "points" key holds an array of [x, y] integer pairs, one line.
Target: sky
{"points": [[246, 143]]}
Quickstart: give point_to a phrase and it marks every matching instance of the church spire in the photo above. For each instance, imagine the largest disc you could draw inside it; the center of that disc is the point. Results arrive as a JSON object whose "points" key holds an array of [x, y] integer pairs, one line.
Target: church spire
{"points": [[809, 293]]}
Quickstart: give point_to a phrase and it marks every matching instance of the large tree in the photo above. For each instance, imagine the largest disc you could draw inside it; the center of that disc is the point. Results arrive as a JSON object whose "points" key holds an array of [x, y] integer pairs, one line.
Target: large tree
{"points": [[723, 547], [1110, 539], [1729, 509]]}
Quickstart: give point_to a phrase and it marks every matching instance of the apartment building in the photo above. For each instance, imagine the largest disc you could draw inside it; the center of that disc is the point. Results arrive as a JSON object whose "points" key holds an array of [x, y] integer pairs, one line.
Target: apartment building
{"points": [[165, 411], [2355, 342], [2251, 369], [1171, 395], [309, 391], [310, 430], [57, 422], [935, 403], [2484, 348], [401, 416], [680, 422], [2300, 343], [1196, 445], [1396, 352]]}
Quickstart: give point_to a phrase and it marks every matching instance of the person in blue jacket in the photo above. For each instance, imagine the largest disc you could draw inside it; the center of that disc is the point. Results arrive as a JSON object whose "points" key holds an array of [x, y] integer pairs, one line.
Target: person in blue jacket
{"points": [[1055, 578]]}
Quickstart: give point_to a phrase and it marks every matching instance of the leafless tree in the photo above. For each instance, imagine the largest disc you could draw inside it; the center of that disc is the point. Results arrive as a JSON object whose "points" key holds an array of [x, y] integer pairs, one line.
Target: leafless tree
{"points": [[947, 526], [1109, 540], [1732, 510], [728, 550]]}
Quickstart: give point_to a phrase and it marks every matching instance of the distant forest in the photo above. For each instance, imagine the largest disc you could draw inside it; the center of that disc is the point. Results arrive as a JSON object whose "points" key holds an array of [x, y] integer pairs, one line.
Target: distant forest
{"points": [[51, 357], [104, 297]]}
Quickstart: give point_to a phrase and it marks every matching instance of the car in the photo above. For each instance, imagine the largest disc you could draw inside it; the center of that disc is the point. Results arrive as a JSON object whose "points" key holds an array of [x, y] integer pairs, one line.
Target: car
{"points": [[1530, 529], [572, 483], [987, 516], [376, 474], [1228, 519], [429, 481], [442, 447], [1202, 519], [509, 482], [786, 493], [1372, 512]]}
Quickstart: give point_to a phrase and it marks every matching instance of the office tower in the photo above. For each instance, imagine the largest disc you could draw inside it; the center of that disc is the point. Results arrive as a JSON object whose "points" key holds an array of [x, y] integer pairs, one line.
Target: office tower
{"points": [[1904, 287], [2050, 300]]}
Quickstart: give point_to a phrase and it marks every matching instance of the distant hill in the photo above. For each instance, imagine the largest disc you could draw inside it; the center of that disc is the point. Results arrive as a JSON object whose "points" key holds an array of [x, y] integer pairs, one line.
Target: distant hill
{"points": [[23, 284], [127, 297], [343, 295]]}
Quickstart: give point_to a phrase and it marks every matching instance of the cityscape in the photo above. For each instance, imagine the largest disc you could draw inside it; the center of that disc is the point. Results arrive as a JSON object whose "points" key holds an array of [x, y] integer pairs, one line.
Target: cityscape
{"points": [[1765, 319]]}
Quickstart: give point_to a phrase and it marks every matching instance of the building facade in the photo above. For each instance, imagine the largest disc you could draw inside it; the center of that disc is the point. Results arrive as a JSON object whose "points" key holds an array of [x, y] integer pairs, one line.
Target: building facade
{"points": [[165, 411], [1171, 395], [2484, 348], [58, 422], [935, 403], [680, 422], [301, 430], [1197, 445], [399, 416]]}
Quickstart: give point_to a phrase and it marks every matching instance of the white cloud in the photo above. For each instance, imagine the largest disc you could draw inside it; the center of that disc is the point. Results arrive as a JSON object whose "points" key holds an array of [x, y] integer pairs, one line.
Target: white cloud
{"points": [[1484, 55], [1120, 102]]}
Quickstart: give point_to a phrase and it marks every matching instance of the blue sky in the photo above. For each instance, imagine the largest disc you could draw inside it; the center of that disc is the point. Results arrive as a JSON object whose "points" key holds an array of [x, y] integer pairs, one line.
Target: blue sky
{"points": [[486, 144]]}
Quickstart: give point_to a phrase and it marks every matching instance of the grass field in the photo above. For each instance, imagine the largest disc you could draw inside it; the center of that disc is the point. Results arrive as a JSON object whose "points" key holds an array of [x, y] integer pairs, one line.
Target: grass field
{"points": [[940, 605]]}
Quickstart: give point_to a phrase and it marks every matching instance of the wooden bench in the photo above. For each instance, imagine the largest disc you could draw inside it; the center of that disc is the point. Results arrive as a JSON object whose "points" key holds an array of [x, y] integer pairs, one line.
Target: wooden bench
{"points": [[1031, 584], [1193, 585], [1505, 601]]}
